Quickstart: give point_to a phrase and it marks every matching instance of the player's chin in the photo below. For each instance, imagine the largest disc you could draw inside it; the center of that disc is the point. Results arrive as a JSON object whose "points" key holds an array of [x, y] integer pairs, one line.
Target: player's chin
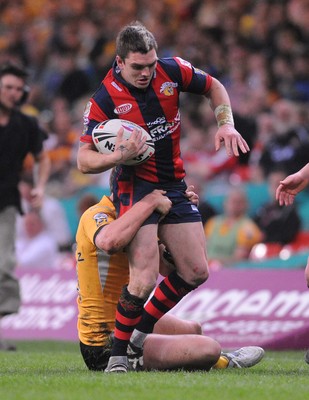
{"points": [[142, 84]]}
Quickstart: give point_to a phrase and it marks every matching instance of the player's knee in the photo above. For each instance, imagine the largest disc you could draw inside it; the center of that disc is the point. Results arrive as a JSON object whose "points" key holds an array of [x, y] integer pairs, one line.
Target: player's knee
{"points": [[212, 351], [196, 327], [215, 352], [201, 275], [209, 352]]}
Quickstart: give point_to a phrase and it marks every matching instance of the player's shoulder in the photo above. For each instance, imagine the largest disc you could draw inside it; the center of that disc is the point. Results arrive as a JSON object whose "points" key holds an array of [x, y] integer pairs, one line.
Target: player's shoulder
{"points": [[174, 67], [103, 211], [175, 62]]}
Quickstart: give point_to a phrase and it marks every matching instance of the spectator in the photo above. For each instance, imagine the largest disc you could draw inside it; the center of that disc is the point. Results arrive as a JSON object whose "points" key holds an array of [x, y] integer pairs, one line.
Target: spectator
{"points": [[201, 158], [37, 248], [53, 216], [20, 135], [231, 235], [279, 224], [288, 148]]}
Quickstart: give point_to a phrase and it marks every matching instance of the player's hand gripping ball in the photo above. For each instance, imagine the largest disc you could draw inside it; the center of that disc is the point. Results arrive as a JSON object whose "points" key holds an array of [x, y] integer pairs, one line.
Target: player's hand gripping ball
{"points": [[104, 136]]}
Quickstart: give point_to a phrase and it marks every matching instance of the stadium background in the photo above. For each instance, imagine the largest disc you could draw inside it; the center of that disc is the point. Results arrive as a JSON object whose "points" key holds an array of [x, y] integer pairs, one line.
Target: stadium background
{"points": [[257, 49]]}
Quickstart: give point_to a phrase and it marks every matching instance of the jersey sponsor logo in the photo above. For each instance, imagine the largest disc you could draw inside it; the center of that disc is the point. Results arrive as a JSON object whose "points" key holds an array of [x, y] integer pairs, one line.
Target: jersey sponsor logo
{"points": [[123, 108], [162, 131], [163, 128], [116, 86], [167, 88], [100, 218], [159, 120]]}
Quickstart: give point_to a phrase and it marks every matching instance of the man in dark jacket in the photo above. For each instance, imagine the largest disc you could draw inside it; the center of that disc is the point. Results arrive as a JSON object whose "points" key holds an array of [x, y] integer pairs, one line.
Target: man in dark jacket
{"points": [[19, 135]]}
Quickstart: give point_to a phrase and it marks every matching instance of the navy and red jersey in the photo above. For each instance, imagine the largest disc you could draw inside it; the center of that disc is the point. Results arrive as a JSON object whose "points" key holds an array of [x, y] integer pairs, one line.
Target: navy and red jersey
{"points": [[156, 109]]}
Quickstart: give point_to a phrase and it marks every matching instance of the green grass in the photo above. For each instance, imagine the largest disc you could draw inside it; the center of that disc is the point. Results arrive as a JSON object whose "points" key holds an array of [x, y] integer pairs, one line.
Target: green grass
{"points": [[55, 371]]}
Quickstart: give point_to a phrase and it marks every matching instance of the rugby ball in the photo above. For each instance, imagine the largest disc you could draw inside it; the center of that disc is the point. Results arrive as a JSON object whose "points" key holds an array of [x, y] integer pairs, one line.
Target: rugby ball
{"points": [[105, 133]]}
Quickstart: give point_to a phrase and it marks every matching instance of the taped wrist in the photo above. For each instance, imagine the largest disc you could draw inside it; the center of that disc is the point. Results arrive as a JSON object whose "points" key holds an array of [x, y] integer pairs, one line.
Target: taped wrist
{"points": [[224, 115]]}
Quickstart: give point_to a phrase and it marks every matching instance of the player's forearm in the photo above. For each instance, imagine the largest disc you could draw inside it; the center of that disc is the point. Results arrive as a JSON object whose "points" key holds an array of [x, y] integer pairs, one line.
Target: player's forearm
{"points": [[220, 103], [120, 232], [91, 162]]}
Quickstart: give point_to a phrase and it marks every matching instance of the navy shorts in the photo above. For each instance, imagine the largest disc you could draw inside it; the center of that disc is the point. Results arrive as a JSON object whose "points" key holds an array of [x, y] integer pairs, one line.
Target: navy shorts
{"points": [[129, 190]]}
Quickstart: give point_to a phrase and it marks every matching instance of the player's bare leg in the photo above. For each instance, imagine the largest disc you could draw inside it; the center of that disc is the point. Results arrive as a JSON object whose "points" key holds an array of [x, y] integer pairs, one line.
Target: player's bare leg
{"points": [[187, 245], [143, 254], [180, 351]]}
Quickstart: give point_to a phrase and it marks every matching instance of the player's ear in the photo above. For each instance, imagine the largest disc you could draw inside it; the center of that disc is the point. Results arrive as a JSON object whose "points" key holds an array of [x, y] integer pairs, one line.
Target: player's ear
{"points": [[120, 62]]}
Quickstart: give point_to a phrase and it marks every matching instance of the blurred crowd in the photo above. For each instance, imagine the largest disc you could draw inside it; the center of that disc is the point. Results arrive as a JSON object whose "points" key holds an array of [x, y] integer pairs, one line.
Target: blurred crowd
{"points": [[257, 48]]}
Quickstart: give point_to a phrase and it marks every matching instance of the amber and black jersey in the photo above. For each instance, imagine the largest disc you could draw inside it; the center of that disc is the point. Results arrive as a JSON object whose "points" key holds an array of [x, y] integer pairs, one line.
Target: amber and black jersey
{"points": [[100, 277]]}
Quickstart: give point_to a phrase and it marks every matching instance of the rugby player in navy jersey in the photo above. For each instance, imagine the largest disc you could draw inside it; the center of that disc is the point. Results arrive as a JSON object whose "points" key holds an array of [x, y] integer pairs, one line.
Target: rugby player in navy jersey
{"points": [[145, 89]]}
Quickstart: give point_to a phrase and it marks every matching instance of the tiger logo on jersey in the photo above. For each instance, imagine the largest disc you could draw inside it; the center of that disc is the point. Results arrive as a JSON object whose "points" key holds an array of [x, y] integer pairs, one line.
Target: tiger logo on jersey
{"points": [[167, 88]]}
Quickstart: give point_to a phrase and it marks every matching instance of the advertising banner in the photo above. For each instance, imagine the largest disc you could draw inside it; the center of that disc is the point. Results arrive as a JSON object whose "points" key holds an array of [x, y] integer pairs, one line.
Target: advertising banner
{"points": [[237, 307], [269, 308], [49, 308]]}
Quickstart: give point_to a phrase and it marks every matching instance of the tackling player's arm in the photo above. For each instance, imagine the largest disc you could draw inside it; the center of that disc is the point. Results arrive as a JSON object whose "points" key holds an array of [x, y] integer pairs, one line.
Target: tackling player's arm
{"points": [[115, 236], [90, 161]]}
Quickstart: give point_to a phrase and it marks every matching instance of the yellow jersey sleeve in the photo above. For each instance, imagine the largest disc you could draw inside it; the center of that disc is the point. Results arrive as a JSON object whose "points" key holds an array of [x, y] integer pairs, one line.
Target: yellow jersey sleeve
{"points": [[100, 276]]}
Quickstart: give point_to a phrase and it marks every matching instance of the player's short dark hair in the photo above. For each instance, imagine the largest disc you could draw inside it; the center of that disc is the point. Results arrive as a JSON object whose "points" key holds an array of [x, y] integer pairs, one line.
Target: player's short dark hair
{"points": [[134, 38]]}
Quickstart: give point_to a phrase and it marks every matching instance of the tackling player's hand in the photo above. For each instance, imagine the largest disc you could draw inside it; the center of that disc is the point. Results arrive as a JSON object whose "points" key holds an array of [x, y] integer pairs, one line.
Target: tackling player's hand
{"points": [[127, 149], [163, 203], [232, 140], [192, 196]]}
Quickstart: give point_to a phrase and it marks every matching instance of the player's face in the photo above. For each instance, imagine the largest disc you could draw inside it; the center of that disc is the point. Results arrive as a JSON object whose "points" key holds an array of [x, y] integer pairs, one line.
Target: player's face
{"points": [[137, 68], [11, 91]]}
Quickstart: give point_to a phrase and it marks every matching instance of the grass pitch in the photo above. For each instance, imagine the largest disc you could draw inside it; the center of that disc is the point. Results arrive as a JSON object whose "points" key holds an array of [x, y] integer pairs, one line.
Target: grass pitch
{"points": [[55, 371]]}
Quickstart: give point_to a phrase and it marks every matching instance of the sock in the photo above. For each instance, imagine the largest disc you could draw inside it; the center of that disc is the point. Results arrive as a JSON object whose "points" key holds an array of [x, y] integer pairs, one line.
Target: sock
{"points": [[128, 314], [222, 363], [169, 292]]}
